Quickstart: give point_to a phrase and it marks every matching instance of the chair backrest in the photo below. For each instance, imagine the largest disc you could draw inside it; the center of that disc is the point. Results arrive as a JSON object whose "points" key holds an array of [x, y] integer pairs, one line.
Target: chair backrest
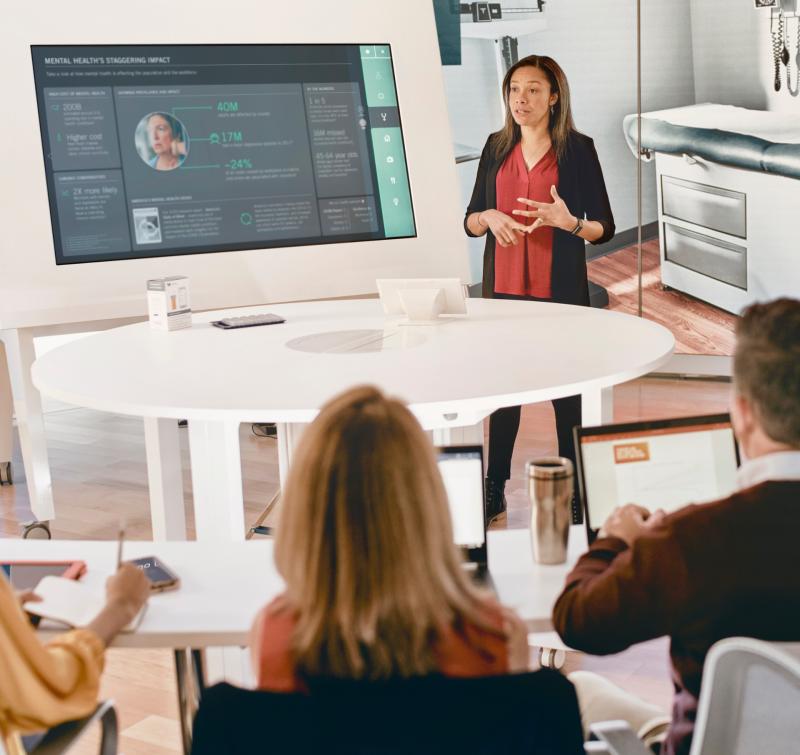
{"points": [[529, 714], [749, 698]]}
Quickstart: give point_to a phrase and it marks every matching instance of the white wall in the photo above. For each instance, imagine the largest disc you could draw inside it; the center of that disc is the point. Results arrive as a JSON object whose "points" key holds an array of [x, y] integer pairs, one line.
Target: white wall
{"points": [[471, 91], [733, 56], [595, 43]]}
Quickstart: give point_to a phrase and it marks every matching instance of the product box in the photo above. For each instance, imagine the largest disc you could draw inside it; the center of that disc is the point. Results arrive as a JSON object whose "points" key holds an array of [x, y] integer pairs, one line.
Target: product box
{"points": [[168, 303]]}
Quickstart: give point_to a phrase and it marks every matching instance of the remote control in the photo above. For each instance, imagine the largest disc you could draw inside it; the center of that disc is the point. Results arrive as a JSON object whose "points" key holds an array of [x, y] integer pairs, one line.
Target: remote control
{"points": [[248, 321]]}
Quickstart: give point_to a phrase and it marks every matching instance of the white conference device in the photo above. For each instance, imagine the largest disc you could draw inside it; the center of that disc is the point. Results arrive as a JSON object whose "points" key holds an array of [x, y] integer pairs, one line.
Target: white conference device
{"points": [[422, 300]]}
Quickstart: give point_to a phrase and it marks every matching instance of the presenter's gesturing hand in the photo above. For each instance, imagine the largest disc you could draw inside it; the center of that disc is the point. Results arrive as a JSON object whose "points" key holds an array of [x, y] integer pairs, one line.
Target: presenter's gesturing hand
{"points": [[504, 228], [555, 213]]}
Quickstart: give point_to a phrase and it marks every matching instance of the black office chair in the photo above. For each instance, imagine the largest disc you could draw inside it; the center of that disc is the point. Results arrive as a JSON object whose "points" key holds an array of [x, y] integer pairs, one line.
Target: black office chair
{"points": [[529, 714]]}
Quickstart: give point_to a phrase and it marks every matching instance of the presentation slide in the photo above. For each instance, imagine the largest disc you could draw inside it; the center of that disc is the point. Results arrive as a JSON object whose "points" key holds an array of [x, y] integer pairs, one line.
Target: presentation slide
{"points": [[660, 469], [165, 150]]}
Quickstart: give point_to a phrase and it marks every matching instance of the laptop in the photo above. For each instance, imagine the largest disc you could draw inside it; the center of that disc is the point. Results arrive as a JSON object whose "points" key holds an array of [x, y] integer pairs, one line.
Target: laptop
{"points": [[461, 468], [663, 464]]}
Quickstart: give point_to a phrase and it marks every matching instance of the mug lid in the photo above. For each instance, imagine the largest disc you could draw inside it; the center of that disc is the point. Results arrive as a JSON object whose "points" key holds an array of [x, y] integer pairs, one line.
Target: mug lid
{"points": [[549, 467]]}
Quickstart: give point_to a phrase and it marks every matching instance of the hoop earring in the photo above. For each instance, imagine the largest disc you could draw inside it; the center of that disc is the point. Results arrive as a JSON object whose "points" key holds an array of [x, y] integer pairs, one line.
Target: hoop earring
{"points": [[552, 109]]}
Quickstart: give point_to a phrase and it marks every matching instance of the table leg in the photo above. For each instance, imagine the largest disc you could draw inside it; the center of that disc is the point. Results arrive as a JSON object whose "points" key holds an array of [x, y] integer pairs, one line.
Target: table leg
{"points": [[216, 480], [190, 682], [6, 419], [165, 478], [598, 407], [288, 437], [30, 422]]}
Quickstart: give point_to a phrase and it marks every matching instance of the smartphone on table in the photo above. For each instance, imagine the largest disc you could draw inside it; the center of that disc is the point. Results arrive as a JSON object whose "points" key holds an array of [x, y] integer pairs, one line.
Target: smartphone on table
{"points": [[160, 575]]}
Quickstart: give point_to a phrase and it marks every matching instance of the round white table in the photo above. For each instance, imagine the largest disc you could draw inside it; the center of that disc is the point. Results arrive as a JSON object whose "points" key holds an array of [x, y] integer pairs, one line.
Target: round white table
{"points": [[453, 375]]}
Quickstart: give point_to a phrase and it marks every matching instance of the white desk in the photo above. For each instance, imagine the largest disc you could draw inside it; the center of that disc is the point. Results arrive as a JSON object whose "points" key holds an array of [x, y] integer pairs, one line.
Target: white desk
{"points": [[452, 375], [529, 588], [223, 585]]}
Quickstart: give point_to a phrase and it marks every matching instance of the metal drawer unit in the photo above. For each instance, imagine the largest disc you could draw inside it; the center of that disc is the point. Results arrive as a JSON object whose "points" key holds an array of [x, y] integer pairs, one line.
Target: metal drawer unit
{"points": [[712, 207], [707, 255]]}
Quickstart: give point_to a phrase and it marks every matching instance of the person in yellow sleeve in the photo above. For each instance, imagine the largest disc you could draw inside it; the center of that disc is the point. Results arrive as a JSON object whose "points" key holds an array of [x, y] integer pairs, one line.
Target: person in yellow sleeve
{"points": [[44, 685]]}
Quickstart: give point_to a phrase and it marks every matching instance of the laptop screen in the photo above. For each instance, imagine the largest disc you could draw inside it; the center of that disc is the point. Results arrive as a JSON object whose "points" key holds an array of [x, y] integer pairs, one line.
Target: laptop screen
{"points": [[461, 468], [664, 464]]}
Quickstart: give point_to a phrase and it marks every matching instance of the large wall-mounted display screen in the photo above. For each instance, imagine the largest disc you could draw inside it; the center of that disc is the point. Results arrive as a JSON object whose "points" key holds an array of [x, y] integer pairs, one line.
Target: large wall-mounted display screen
{"points": [[167, 150]]}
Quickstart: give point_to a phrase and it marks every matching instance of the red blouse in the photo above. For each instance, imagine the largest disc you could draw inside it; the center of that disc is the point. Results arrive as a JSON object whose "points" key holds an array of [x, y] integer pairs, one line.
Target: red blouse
{"points": [[470, 651], [524, 269]]}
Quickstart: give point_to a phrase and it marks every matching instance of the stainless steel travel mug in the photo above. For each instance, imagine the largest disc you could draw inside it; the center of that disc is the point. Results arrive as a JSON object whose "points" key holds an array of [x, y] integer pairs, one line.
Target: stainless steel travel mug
{"points": [[550, 486]]}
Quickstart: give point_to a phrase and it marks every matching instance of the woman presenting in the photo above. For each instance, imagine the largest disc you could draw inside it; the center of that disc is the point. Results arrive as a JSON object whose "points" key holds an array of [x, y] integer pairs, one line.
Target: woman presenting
{"points": [[539, 196]]}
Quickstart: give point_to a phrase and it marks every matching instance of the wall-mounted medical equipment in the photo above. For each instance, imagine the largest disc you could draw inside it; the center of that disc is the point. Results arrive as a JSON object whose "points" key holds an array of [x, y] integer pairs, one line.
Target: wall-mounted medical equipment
{"points": [[785, 41]]}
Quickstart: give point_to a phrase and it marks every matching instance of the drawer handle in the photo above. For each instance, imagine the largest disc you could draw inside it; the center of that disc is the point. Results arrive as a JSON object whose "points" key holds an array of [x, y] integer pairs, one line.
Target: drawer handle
{"points": [[689, 159]]}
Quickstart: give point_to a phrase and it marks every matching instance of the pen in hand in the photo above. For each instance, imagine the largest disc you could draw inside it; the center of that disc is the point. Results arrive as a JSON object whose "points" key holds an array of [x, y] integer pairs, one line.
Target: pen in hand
{"points": [[119, 544]]}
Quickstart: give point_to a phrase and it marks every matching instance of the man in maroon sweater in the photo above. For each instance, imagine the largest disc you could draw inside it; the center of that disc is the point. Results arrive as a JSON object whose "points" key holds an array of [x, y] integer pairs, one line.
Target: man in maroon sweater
{"points": [[714, 570]]}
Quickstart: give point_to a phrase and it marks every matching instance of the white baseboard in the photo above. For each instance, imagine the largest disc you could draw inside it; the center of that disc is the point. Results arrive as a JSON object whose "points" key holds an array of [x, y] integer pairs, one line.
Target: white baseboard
{"points": [[700, 365]]}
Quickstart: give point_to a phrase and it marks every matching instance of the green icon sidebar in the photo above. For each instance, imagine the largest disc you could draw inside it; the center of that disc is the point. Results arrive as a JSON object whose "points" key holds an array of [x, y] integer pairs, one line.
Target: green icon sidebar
{"points": [[390, 161], [387, 143], [376, 67]]}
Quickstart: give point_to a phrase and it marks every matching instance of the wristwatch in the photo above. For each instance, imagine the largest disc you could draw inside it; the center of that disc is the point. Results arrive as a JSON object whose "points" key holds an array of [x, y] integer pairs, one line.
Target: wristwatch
{"points": [[578, 228]]}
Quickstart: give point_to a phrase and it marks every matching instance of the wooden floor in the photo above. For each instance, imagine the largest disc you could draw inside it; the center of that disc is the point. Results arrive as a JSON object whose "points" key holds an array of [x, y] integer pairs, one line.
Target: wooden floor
{"points": [[99, 474], [698, 327]]}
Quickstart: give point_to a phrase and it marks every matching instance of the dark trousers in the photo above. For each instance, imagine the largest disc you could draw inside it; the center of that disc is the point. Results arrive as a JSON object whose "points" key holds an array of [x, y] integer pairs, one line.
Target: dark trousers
{"points": [[504, 425]]}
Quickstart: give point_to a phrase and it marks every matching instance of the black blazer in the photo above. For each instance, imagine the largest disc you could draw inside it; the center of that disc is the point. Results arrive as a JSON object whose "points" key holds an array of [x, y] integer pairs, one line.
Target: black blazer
{"points": [[581, 186]]}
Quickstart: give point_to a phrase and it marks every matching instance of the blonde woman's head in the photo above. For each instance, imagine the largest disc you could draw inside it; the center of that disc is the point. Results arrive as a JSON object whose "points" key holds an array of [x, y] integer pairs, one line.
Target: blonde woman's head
{"points": [[365, 543]]}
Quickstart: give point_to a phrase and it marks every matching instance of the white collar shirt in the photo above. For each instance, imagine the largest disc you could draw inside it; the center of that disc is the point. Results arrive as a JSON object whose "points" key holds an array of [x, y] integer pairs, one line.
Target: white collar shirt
{"points": [[782, 465]]}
